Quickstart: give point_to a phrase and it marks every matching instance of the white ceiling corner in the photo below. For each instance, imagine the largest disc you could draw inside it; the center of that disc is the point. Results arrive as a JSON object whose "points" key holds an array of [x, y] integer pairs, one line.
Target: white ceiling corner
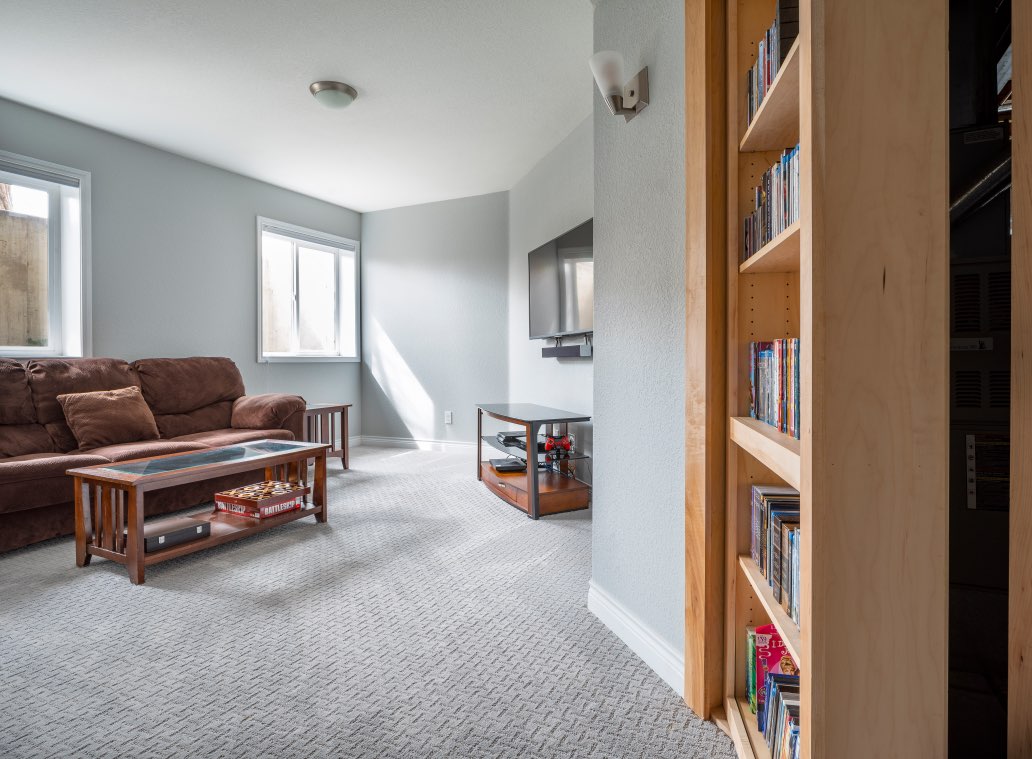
{"points": [[456, 97]]}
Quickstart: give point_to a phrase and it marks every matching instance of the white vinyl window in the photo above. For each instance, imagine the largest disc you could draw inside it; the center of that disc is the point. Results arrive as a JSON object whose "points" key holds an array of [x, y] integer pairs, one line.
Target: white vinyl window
{"points": [[44, 258], [308, 294]]}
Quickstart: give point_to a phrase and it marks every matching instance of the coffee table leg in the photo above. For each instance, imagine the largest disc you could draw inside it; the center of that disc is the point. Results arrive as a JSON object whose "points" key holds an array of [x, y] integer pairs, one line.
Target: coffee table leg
{"points": [[344, 439], [82, 556], [320, 485], [134, 542]]}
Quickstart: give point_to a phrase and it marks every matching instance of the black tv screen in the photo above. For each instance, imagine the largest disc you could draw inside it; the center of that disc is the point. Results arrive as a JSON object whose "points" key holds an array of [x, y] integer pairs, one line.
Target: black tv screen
{"points": [[562, 285]]}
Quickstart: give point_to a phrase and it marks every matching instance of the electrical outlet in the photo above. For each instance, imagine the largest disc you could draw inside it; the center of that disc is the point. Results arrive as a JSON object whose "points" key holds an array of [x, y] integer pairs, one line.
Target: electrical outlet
{"points": [[448, 417]]}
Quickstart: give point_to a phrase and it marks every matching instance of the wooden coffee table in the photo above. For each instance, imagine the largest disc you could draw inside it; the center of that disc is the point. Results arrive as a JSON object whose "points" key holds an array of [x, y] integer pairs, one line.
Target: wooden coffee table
{"points": [[109, 498]]}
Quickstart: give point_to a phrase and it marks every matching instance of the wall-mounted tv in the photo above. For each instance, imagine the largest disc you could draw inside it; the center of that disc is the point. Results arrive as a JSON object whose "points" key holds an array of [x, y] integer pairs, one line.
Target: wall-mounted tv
{"points": [[562, 285]]}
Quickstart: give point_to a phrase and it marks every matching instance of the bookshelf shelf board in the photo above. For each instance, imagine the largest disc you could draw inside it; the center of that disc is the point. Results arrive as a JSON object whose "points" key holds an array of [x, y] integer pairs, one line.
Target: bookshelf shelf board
{"points": [[776, 123], [775, 450], [786, 626], [749, 742], [779, 255]]}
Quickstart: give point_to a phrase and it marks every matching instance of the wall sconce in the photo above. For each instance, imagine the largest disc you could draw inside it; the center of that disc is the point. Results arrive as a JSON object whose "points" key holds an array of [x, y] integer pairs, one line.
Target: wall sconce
{"points": [[627, 100]]}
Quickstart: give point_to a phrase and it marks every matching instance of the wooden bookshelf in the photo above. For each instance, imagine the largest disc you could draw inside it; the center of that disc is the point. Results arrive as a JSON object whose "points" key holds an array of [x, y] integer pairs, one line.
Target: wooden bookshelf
{"points": [[748, 737], [860, 279], [779, 255], [776, 123], [779, 617], [775, 450]]}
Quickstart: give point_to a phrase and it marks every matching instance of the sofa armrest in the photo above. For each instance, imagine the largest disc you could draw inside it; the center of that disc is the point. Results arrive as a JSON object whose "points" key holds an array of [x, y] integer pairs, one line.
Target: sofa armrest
{"points": [[268, 411]]}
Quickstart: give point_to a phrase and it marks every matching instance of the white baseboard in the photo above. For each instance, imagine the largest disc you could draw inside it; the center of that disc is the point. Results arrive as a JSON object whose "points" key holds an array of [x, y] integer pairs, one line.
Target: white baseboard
{"points": [[662, 658], [423, 445], [354, 441]]}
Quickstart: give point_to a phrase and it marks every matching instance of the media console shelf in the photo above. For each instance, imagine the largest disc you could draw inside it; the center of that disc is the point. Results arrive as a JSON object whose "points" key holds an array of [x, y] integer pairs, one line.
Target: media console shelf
{"points": [[535, 491]]}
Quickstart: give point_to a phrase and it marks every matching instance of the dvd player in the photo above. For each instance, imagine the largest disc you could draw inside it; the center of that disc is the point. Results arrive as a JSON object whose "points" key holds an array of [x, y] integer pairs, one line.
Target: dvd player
{"points": [[508, 465]]}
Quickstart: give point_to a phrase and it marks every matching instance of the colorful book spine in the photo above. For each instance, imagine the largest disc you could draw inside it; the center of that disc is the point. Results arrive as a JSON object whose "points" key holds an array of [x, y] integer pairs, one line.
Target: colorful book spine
{"points": [[750, 667], [775, 203], [774, 383]]}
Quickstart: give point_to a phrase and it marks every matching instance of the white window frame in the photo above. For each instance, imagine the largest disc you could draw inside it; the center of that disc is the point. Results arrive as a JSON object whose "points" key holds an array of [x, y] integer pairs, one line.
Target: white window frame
{"points": [[69, 307], [324, 241]]}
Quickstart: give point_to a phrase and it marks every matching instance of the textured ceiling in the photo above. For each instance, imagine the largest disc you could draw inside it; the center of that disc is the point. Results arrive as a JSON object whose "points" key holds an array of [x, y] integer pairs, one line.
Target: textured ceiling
{"points": [[456, 97]]}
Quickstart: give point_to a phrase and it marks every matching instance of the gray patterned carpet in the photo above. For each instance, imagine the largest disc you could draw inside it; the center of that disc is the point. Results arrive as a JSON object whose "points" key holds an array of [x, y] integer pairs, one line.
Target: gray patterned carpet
{"points": [[427, 619]]}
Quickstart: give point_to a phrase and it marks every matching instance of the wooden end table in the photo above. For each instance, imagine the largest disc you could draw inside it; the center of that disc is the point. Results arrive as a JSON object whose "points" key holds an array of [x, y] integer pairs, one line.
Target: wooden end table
{"points": [[321, 427], [109, 498]]}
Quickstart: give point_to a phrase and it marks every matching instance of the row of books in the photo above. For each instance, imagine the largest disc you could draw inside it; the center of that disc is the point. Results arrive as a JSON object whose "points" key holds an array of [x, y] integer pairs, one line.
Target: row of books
{"points": [[770, 54], [775, 204], [772, 687], [774, 384], [775, 542]]}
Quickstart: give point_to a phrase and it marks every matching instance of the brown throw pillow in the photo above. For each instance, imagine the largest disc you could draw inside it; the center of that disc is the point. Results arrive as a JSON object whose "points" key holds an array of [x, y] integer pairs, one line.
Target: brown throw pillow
{"points": [[108, 417]]}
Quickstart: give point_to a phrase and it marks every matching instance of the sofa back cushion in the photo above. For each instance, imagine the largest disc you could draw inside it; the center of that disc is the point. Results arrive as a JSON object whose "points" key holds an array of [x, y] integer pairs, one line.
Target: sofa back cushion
{"points": [[108, 417], [24, 439], [15, 397], [190, 395], [51, 377]]}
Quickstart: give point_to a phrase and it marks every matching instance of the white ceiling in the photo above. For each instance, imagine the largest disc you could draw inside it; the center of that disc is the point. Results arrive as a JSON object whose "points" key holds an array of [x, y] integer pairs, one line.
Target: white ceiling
{"points": [[456, 97]]}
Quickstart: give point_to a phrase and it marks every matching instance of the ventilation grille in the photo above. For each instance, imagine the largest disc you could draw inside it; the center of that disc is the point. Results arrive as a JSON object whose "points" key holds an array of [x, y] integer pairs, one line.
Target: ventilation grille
{"points": [[999, 301], [967, 389], [967, 311], [999, 388]]}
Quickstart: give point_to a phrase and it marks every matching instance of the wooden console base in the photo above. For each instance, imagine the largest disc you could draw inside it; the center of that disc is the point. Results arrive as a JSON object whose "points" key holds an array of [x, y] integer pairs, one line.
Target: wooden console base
{"points": [[556, 494]]}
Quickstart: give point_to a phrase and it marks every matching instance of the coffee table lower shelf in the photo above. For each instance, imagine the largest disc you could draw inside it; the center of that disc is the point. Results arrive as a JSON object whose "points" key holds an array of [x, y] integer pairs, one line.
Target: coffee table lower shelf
{"points": [[225, 528]]}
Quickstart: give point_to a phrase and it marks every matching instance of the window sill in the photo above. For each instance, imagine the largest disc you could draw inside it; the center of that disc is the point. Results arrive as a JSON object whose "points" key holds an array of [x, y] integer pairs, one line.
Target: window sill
{"points": [[308, 359]]}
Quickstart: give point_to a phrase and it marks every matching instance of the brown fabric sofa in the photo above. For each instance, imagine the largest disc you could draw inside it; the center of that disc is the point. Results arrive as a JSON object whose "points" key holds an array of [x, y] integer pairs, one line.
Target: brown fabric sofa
{"points": [[197, 403]]}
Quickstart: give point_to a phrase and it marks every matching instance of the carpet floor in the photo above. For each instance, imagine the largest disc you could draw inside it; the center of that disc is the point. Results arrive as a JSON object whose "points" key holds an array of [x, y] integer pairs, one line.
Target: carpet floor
{"points": [[427, 619]]}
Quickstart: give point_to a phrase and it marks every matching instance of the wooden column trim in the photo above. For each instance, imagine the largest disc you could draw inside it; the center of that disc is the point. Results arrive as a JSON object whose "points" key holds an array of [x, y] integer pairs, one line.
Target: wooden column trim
{"points": [[705, 350], [1019, 675]]}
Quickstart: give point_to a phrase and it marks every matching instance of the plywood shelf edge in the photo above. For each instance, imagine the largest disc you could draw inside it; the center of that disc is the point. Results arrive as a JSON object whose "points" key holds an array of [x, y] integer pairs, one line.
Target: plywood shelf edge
{"points": [[779, 255], [775, 450], [786, 626], [776, 123]]}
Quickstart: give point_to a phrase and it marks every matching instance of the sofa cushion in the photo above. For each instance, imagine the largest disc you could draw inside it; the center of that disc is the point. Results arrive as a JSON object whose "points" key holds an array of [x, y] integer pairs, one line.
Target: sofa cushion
{"points": [[15, 397], [143, 449], [108, 417], [38, 479], [51, 377], [181, 385], [218, 438], [266, 411], [217, 416], [22, 439]]}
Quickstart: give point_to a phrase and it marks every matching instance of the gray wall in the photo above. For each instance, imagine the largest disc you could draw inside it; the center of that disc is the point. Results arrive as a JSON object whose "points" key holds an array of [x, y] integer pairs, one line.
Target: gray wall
{"points": [[174, 261], [555, 196], [433, 317], [638, 521]]}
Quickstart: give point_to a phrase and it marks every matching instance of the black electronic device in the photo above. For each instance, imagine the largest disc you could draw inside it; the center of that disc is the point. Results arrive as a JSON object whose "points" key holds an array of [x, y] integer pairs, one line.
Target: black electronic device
{"points": [[509, 465]]}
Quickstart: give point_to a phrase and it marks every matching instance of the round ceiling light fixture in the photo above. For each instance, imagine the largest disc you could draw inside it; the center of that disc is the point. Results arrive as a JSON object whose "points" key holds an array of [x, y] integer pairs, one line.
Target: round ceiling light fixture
{"points": [[333, 94]]}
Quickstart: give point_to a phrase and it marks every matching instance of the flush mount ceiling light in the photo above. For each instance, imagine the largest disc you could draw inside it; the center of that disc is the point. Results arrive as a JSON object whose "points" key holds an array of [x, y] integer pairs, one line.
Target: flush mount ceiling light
{"points": [[623, 99], [333, 94]]}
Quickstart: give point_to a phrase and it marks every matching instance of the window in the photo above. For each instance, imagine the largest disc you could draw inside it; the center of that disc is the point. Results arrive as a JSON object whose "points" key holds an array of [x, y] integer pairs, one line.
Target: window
{"points": [[44, 254], [308, 304]]}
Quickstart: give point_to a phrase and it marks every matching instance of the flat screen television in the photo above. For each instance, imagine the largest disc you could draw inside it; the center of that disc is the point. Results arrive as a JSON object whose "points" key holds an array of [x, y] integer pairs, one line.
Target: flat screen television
{"points": [[562, 285]]}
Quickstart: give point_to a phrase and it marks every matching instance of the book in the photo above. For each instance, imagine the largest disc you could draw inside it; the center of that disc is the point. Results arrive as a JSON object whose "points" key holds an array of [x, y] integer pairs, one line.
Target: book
{"points": [[775, 203], [763, 499], [750, 667], [779, 520], [772, 658], [774, 384]]}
